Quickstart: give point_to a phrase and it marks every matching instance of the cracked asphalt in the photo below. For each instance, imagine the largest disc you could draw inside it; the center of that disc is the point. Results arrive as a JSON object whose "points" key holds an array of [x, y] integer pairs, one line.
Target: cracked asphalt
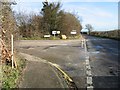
{"points": [[70, 56]]}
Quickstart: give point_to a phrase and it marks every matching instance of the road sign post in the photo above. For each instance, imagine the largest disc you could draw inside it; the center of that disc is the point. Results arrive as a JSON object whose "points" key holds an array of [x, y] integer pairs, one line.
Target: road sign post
{"points": [[73, 33], [54, 36], [55, 32]]}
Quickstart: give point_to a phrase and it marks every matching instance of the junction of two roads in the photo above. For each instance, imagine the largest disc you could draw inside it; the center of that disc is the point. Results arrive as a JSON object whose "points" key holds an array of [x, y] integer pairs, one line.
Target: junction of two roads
{"points": [[51, 62]]}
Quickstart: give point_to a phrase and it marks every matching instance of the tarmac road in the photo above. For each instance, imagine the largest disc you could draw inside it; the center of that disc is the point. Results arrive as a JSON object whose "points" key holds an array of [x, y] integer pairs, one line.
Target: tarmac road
{"points": [[103, 55], [67, 54], [70, 56]]}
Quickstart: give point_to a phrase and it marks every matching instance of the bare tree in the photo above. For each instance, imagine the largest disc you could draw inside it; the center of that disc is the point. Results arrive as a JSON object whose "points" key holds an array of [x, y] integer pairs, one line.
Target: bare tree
{"points": [[36, 23], [23, 23], [89, 27]]}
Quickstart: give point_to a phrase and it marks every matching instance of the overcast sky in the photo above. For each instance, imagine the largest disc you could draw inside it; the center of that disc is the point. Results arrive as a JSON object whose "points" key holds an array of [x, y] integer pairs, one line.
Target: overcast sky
{"points": [[101, 14]]}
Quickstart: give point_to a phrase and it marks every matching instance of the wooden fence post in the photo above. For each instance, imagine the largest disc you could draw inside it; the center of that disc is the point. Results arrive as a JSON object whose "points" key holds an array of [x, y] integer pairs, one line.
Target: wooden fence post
{"points": [[12, 50]]}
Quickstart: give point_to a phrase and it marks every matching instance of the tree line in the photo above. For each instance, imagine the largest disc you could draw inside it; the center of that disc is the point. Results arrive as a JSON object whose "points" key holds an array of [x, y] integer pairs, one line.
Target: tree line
{"points": [[51, 18]]}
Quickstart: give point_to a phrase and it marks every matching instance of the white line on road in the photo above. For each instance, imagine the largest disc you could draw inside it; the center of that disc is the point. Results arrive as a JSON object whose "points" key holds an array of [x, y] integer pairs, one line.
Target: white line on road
{"points": [[87, 62], [90, 88], [88, 69], [89, 81], [88, 72]]}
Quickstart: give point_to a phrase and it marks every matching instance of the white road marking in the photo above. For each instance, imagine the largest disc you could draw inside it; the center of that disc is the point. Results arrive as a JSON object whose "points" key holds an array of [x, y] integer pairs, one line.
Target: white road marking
{"points": [[87, 62], [88, 72], [90, 88], [89, 81], [88, 69]]}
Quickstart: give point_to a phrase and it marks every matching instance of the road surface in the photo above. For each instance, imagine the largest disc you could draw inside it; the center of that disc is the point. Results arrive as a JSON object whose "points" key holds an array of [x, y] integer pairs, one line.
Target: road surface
{"points": [[103, 56], [71, 57]]}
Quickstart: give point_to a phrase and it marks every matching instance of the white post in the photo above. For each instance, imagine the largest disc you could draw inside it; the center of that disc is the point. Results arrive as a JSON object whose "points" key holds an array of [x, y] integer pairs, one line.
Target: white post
{"points": [[12, 50], [85, 45], [54, 36], [82, 43]]}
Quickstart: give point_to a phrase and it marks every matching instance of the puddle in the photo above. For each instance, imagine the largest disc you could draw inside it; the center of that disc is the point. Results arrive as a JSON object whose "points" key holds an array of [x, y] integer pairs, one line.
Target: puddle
{"points": [[96, 52], [99, 47]]}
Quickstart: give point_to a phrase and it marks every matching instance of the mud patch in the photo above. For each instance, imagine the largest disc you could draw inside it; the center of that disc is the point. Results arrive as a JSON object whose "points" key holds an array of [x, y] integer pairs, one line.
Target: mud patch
{"points": [[27, 47]]}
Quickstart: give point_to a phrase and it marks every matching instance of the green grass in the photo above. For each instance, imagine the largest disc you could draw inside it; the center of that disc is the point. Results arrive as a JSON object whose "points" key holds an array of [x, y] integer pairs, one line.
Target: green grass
{"points": [[11, 76], [31, 38], [74, 37], [51, 38], [40, 38], [115, 38]]}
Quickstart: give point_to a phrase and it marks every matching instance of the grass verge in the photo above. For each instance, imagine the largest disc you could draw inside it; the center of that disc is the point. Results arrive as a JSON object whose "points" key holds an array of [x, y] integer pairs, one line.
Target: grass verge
{"points": [[11, 76], [51, 38], [114, 38]]}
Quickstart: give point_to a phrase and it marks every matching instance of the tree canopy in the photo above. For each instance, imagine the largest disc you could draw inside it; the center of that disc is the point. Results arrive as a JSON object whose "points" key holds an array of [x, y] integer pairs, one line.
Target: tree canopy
{"points": [[51, 18], [89, 27]]}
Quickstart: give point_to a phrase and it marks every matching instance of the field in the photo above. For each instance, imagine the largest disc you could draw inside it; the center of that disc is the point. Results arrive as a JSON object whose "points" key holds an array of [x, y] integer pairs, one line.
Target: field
{"points": [[115, 34]]}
